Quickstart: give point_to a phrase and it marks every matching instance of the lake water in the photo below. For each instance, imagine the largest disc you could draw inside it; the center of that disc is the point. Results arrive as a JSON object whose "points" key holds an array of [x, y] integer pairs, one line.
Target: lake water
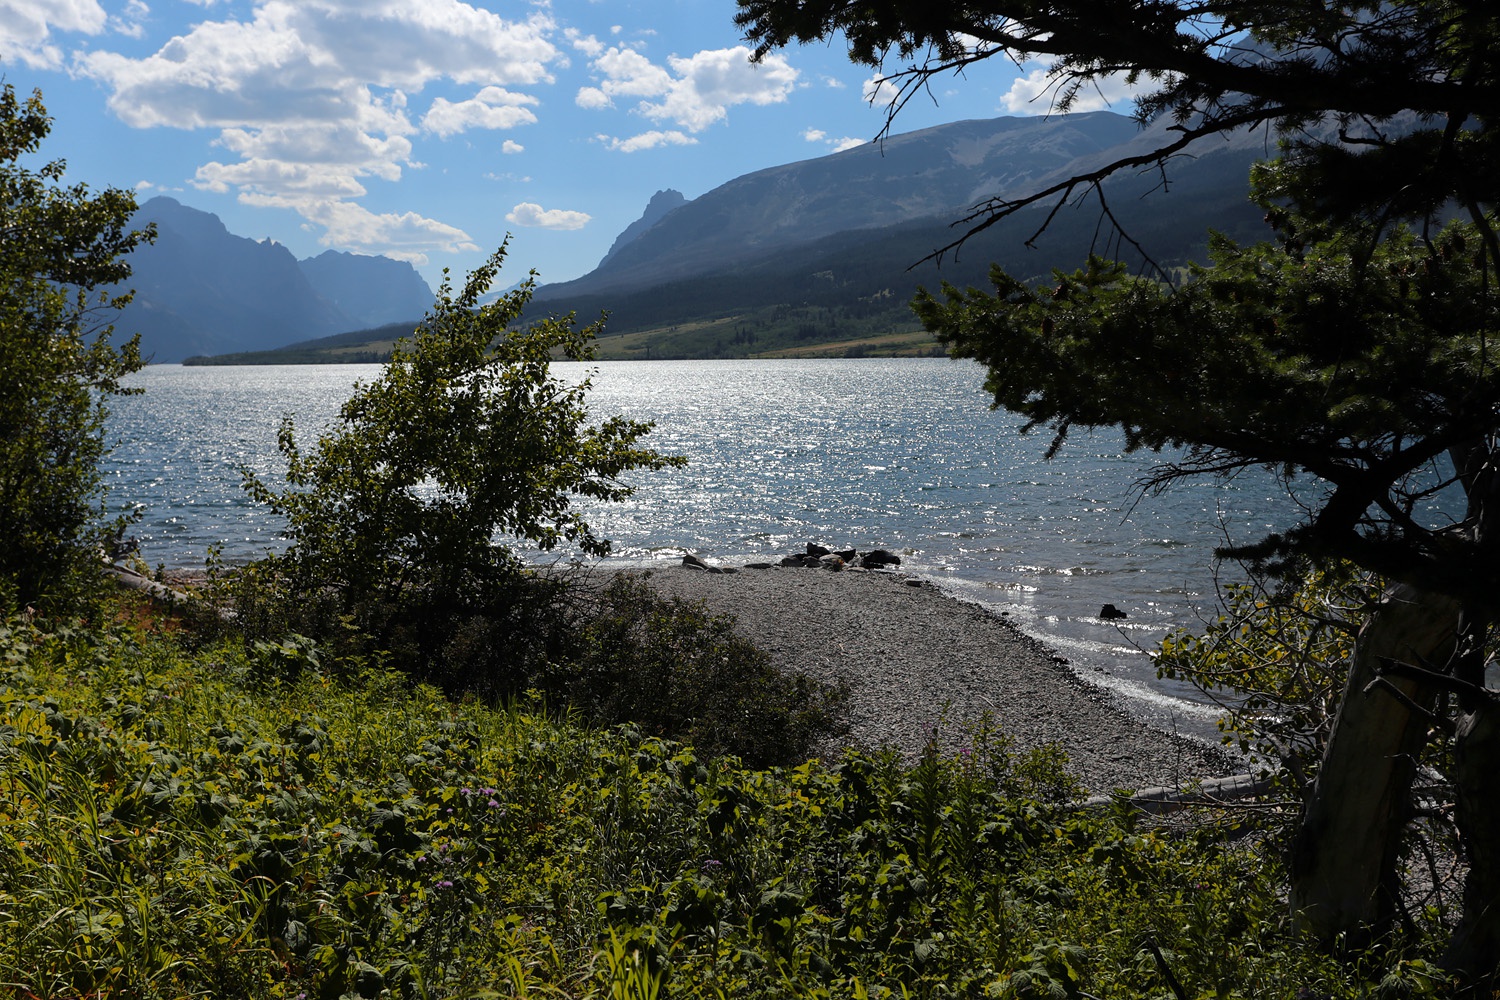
{"points": [[880, 453]]}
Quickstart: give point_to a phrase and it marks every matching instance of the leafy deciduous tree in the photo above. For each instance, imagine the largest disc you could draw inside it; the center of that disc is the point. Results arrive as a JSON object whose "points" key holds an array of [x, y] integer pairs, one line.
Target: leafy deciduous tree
{"points": [[60, 250], [466, 435]]}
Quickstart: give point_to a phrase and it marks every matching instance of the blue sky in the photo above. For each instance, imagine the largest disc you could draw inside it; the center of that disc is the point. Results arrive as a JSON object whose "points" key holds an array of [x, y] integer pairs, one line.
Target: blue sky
{"points": [[428, 129]]}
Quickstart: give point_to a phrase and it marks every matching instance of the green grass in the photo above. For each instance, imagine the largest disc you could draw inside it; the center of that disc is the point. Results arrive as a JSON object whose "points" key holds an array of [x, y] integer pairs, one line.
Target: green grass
{"points": [[259, 820]]}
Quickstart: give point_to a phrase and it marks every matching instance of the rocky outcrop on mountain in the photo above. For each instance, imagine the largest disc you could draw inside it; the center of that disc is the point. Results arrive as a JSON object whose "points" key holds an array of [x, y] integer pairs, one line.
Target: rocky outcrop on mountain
{"points": [[657, 208]]}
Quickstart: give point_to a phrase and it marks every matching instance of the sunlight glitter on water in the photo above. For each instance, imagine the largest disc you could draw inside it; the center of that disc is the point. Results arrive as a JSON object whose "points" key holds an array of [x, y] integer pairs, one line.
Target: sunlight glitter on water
{"points": [[882, 453]]}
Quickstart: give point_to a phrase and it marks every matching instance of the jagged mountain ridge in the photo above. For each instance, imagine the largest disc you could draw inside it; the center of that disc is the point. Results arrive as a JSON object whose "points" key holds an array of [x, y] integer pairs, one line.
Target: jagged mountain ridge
{"points": [[199, 289], [809, 251], [367, 290], [656, 209], [935, 172]]}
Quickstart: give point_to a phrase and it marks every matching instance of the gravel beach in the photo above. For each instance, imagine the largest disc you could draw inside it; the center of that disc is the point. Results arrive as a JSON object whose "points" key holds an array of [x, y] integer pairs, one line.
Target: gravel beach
{"points": [[919, 661]]}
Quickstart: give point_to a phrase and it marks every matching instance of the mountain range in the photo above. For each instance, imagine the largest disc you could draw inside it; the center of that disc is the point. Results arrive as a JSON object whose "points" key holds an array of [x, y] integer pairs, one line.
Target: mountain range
{"points": [[822, 256], [201, 290], [785, 259]]}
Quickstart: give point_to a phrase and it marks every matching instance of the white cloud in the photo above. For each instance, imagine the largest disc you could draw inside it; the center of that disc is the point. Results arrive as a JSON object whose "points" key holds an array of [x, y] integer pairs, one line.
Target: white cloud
{"points": [[838, 145], [403, 236], [131, 21], [535, 216], [1037, 91], [27, 26], [834, 83], [628, 73], [510, 147], [646, 140], [695, 91], [592, 98], [311, 96], [492, 107], [587, 44], [880, 90]]}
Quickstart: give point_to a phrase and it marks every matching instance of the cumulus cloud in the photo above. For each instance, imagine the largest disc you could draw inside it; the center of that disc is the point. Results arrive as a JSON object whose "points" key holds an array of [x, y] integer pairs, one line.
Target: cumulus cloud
{"points": [[1037, 91], [131, 21], [880, 90], [837, 145], [311, 98], [511, 147], [535, 216], [492, 107], [403, 236], [592, 98], [692, 92], [646, 140], [27, 26], [587, 44]]}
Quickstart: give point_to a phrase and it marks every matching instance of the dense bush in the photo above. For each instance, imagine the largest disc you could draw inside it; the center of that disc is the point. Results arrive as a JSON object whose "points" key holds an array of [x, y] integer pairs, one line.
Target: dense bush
{"points": [[403, 514], [260, 820], [675, 670]]}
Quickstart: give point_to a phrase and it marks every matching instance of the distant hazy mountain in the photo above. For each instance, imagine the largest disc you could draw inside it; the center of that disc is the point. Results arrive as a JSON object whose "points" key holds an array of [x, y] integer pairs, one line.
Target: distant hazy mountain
{"points": [[368, 291], [199, 289]]}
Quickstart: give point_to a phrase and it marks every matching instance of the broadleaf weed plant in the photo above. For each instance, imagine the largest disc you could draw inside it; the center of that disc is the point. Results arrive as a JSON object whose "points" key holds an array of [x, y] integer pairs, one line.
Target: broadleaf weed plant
{"points": [[177, 820]]}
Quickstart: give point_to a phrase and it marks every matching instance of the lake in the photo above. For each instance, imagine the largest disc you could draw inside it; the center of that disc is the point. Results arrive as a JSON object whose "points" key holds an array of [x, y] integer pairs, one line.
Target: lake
{"points": [[901, 454]]}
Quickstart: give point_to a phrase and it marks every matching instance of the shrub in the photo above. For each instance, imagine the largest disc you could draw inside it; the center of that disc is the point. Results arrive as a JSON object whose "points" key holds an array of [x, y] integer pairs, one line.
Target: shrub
{"points": [[398, 517], [678, 671]]}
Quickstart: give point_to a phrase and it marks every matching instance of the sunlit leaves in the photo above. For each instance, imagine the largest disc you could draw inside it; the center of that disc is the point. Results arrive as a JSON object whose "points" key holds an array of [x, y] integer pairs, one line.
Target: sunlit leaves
{"points": [[465, 440], [59, 249]]}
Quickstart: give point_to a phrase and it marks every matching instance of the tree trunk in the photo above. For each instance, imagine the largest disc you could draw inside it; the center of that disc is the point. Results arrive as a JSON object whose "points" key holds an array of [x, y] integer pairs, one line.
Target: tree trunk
{"points": [[1475, 949], [1344, 877]]}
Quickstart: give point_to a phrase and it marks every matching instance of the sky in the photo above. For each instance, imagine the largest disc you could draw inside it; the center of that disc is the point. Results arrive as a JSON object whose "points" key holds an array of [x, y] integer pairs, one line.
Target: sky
{"points": [[428, 130]]}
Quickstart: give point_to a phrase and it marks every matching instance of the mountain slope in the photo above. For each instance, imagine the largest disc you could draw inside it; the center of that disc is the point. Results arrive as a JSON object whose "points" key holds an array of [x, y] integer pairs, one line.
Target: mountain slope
{"points": [[656, 209], [831, 250], [199, 289], [367, 291], [936, 172], [846, 238]]}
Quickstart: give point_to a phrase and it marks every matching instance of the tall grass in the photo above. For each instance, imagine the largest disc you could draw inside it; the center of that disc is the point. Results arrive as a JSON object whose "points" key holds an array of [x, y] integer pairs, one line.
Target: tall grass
{"points": [[253, 820]]}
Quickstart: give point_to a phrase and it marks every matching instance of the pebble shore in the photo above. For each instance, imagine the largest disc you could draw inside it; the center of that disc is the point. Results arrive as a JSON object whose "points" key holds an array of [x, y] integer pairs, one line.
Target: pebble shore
{"points": [[919, 663]]}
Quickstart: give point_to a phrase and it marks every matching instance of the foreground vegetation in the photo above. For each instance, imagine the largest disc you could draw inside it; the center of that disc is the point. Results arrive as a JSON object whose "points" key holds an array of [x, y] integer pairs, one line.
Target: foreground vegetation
{"points": [[262, 819]]}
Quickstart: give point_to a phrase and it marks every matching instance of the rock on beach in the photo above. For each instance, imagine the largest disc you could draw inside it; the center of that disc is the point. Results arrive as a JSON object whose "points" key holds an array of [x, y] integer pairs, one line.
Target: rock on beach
{"points": [[919, 662]]}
